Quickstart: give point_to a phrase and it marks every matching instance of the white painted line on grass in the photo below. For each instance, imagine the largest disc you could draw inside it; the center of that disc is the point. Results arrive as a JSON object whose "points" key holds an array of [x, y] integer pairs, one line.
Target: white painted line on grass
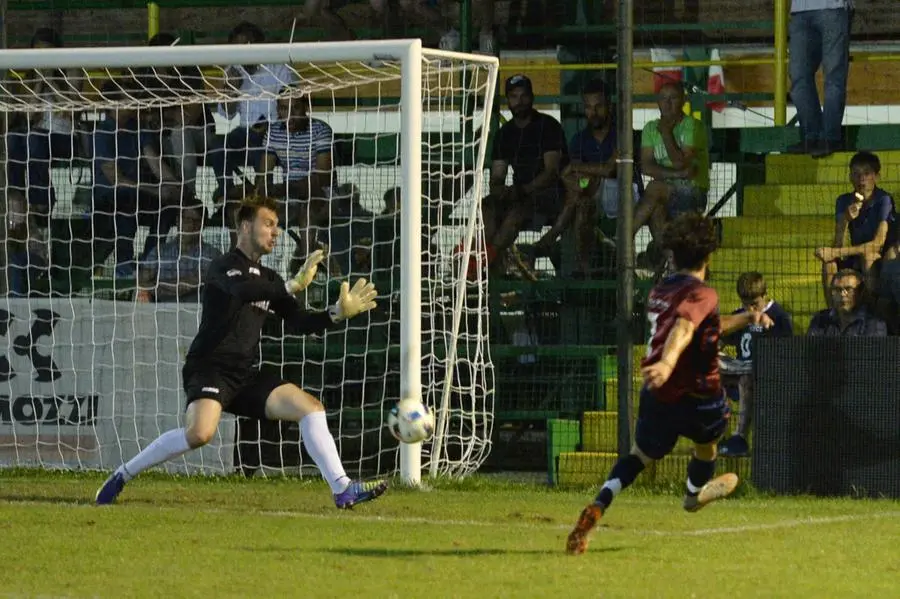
{"points": [[723, 530], [512, 523], [796, 523]]}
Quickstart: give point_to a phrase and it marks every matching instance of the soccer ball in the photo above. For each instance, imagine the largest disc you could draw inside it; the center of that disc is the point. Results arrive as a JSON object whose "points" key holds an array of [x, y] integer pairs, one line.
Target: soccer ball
{"points": [[410, 421]]}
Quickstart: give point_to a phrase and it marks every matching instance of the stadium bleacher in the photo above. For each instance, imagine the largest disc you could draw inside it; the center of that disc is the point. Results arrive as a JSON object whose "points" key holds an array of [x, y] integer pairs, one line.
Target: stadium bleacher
{"points": [[779, 208]]}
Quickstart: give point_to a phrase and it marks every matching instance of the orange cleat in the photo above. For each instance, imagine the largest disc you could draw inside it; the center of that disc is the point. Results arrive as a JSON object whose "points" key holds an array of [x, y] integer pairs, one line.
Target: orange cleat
{"points": [[578, 538]]}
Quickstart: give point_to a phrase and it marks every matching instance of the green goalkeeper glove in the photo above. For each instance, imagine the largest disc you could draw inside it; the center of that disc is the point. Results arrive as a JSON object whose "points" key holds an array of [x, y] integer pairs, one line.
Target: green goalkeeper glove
{"points": [[306, 274], [355, 301]]}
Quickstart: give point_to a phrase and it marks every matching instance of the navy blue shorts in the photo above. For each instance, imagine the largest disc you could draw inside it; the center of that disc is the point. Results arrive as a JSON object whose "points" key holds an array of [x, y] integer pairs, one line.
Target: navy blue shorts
{"points": [[660, 424]]}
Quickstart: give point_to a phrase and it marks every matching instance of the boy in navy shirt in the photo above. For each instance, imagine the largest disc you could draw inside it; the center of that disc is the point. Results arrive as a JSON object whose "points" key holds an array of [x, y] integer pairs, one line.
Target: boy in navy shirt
{"points": [[867, 214], [751, 288]]}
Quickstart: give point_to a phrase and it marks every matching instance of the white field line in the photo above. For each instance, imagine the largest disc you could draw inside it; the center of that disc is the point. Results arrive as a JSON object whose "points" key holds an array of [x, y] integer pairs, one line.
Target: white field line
{"points": [[513, 523], [723, 530], [779, 524]]}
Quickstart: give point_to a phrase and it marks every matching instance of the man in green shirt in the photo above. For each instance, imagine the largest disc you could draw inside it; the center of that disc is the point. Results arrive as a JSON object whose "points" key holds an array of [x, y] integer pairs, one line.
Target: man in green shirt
{"points": [[675, 153]]}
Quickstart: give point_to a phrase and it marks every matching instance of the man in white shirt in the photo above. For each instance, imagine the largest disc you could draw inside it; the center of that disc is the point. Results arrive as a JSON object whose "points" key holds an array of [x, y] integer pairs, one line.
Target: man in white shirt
{"points": [[819, 36], [242, 147], [302, 146]]}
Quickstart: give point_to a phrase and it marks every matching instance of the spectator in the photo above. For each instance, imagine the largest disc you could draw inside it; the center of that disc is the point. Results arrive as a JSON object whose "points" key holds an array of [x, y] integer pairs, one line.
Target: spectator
{"points": [[868, 215], [819, 36], [181, 123], [533, 145], [34, 140], [593, 153], [132, 185], [242, 146], [848, 315], [174, 271], [302, 146], [675, 154], [183, 137], [751, 289]]}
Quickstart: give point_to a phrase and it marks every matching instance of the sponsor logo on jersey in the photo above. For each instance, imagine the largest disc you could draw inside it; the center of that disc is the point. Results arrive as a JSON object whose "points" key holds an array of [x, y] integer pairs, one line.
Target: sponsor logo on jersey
{"points": [[262, 305], [234, 272], [210, 390]]}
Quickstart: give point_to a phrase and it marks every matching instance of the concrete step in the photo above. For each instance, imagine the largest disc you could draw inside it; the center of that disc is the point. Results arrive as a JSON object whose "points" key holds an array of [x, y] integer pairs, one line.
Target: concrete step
{"points": [[611, 389], [774, 231], [804, 199], [591, 468], [599, 433], [787, 168], [729, 263]]}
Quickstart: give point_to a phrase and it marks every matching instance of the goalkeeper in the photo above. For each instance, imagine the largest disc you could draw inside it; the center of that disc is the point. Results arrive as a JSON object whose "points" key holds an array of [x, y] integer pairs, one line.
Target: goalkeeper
{"points": [[219, 373]]}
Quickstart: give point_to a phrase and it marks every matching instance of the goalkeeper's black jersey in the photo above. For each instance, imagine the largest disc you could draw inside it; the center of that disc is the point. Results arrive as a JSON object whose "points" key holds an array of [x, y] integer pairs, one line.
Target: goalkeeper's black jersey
{"points": [[238, 296]]}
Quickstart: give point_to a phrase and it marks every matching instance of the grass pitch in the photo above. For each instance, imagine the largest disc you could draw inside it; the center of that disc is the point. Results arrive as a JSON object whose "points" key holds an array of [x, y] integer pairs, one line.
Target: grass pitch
{"points": [[191, 537]]}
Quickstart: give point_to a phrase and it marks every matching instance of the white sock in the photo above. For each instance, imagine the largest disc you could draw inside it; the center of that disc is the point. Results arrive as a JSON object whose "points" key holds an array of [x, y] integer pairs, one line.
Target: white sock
{"points": [[321, 448], [614, 485], [168, 445]]}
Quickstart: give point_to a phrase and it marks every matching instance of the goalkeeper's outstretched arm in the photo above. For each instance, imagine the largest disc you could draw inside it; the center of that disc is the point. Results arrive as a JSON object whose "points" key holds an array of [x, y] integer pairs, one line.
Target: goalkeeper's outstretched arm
{"points": [[248, 288], [351, 302], [300, 322]]}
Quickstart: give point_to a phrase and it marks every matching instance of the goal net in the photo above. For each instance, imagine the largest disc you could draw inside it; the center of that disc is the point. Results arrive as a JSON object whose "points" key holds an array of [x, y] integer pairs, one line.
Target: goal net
{"points": [[123, 170]]}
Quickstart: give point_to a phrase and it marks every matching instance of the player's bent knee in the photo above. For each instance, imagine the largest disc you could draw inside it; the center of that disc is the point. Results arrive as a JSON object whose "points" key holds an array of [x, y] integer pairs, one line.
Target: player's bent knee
{"points": [[199, 435], [643, 457], [313, 404], [202, 420]]}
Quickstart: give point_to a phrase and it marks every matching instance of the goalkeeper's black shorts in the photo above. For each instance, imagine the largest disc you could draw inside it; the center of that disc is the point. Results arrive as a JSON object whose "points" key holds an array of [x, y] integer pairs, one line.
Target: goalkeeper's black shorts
{"points": [[241, 392]]}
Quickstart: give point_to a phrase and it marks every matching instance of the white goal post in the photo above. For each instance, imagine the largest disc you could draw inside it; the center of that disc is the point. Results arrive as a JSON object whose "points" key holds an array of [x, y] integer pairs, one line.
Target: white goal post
{"points": [[116, 360]]}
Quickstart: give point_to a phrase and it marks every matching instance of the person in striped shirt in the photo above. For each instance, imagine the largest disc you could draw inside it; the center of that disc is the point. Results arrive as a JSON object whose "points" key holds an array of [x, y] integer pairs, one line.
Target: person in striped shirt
{"points": [[302, 147]]}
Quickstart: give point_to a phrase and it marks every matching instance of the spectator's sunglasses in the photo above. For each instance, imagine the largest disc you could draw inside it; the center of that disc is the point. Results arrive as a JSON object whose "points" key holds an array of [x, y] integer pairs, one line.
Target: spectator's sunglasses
{"points": [[844, 289]]}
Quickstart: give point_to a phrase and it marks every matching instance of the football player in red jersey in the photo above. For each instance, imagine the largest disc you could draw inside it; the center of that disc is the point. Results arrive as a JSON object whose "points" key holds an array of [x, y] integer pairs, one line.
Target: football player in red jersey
{"points": [[682, 393]]}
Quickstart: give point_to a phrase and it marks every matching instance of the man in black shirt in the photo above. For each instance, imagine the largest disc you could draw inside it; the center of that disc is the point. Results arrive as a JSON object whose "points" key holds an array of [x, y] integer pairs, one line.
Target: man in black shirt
{"points": [[219, 373], [534, 145], [848, 316]]}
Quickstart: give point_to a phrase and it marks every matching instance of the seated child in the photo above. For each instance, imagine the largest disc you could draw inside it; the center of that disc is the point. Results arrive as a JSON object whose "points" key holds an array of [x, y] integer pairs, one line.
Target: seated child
{"points": [[751, 288]]}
